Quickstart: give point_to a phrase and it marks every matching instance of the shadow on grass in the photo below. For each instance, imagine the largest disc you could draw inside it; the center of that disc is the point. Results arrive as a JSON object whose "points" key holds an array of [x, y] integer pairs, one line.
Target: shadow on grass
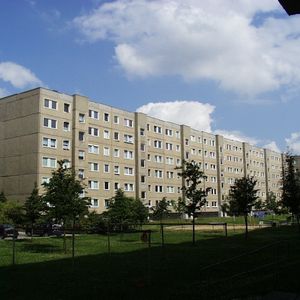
{"points": [[177, 271], [40, 248]]}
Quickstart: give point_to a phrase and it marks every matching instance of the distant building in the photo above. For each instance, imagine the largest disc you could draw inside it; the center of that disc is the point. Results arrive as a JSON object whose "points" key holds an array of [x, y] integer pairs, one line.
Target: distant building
{"points": [[111, 148]]}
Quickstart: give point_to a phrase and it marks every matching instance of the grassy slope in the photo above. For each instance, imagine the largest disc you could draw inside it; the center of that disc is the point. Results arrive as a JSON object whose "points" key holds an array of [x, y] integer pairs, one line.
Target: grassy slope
{"points": [[133, 271]]}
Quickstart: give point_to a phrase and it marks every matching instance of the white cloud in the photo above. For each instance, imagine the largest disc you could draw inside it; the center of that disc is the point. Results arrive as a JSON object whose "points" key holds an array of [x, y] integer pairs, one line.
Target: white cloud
{"points": [[272, 146], [215, 40], [17, 75], [236, 136], [293, 143], [192, 113], [3, 92]]}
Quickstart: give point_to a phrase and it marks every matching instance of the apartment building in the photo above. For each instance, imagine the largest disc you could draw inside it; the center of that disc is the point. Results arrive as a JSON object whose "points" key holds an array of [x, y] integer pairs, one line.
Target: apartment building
{"points": [[112, 148]]}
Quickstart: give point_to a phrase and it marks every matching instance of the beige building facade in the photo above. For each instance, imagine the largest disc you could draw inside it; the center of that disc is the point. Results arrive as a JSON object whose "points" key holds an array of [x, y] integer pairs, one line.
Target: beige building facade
{"points": [[111, 148]]}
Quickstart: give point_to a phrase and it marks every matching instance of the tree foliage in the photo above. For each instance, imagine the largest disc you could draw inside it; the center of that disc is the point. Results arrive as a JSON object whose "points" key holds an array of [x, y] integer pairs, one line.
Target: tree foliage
{"points": [[242, 197], [11, 212], [194, 195], [161, 210], [291, 187], [2, 197], [125, 210], [63, 195], [271, 203]]}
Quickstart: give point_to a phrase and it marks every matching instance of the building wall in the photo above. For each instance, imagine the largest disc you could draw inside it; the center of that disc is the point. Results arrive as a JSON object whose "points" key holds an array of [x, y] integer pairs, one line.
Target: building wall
{"points": [[112, 148]]}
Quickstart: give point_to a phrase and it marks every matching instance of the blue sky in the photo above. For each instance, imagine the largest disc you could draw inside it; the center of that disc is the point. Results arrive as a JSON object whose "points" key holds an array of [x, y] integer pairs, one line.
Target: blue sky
{"points": [[234, 64]]}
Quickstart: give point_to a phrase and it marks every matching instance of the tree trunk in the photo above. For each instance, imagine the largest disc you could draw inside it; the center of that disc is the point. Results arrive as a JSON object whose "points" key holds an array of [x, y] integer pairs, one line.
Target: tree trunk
{"points": [[298, 222], [73, 240], [31, 231], [194, 230], [246, 225], [64, 241], [162, 234]]}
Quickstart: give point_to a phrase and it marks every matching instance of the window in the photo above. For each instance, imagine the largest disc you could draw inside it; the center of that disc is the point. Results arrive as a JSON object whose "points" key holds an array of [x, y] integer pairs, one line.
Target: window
{"points": [[128, 171], [158, 188], [93, 184], [158, 144], [143, 147], [106, 185], [158, 158], [81, 173], [157, 129], [169, 146], [116, 186], [214, 203], [116, 170], [94, 167], [94, 114], [116, 136], [128, 123], [45, 180], [93, 149], [128, 154], [170, 174], [158, 173], [66, 144], [128, 187], [193, 138], [143, 195], [49, 162], [106, 134], [169, 132], [106, 168], [106, 203], [116, 153], [143, 163], [66, 107], [143, 178], [106, 117], [170, 189], [50, 123], [66, 126], [49, 143], [66, 164], [51, 104], [106, 151], [205, 141], [177, 148], [81, 136], [93, 131], [177, 134], [128, 138], [81, 118], [169, 160], [81, 154], [94, 202], [116, 120], [142, 131]]}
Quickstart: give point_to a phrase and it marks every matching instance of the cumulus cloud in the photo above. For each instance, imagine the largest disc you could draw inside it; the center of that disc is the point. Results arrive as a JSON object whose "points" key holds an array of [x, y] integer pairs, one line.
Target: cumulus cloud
{"points": [[192, 113], [272, 146], [216, 40], [237, 136], [17, 75], [293, 142]]}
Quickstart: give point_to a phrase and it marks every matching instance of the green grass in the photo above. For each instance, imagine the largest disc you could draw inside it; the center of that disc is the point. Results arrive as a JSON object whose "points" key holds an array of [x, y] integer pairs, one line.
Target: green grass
{"points": [[134, 271]]}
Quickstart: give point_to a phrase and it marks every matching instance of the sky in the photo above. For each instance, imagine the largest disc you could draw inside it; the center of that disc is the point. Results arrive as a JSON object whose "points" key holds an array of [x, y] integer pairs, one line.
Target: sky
{"points": [[227, 67]]}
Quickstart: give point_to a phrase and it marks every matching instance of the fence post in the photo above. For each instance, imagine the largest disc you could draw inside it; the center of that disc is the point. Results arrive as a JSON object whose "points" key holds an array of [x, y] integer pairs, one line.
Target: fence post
{"points": [[162, 234], [108, 239], [14, 250], [226, 233], [73, 242]]}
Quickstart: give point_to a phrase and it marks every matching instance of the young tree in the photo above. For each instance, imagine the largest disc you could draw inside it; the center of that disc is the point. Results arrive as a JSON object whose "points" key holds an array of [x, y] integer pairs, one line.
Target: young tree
{"points": [[63, 196], [11, 212], [242, 197], [2, 197], [161, 209], [123, 210], [291, 188], [271, 203], [194, 196], [34, 207]]}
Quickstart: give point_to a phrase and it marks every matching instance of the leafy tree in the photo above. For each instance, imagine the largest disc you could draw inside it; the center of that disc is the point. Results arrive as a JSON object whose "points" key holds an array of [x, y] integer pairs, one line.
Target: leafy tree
{"points": [[63, 196], [11, 212], [2, 197], [34, 207], [291, 188], [161, 209], [271, 203], [242, 197], [140, 212], [194, 196], [224, 208]]}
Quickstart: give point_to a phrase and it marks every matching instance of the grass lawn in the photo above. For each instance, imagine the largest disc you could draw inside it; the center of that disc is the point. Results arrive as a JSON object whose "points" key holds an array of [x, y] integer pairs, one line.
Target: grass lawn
{"points": [[217, 267]]}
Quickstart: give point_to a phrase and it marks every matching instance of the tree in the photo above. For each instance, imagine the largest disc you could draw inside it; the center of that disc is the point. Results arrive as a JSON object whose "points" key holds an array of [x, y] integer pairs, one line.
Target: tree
{"points": [[224, 208], [2, 197], [63, 196], [194, 196], [161, 209], [291, 188], [11, 212], [125, 210], [34, 207], [271, 203], [242, 197]]}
